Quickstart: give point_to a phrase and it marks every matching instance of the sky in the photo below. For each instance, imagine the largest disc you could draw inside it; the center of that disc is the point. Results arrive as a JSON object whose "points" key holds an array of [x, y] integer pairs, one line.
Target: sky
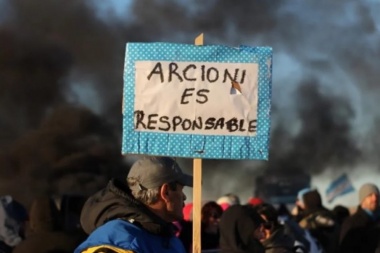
{"points": [[325, 77]]}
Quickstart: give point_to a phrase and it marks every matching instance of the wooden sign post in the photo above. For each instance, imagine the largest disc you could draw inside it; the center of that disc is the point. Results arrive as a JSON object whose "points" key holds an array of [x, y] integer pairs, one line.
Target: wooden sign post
{"points": [[197, 189], [197, 204]]}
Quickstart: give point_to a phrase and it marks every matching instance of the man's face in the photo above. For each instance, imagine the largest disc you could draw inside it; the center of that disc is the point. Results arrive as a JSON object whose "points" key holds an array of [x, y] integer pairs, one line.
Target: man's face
{"points": [[175, 203], [371, 202]]}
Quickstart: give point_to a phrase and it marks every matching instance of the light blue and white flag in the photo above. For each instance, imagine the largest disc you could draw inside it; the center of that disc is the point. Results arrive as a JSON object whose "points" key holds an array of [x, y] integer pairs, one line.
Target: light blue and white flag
{"points": [[339, 187]]}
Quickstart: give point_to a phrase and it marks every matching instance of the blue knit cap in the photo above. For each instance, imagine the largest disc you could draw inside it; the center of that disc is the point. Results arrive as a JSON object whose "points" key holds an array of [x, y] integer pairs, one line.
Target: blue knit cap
{"points": [[301, 193]]}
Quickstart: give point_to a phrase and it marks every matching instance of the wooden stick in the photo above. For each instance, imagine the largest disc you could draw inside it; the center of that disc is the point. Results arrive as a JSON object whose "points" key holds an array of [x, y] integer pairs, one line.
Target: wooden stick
{"points": [[199, 40], [197, 189], [197, 204]]}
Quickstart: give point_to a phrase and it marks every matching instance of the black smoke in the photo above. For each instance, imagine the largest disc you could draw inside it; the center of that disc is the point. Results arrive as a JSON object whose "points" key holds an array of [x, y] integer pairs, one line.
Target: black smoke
{"points": [[324, 138], [74, 151], [51, 49]]}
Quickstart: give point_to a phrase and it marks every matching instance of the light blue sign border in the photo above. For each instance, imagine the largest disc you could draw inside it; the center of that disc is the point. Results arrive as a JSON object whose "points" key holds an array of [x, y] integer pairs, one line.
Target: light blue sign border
{"points": [[190, 145]]}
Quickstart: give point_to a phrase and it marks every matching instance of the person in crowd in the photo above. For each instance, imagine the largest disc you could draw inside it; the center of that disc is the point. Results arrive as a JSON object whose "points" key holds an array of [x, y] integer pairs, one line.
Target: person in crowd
{"points": [[283, 210], [299, 207], [241, 230], [70, 206], [188, 212], [320, 221], [255, 201], [13, 217], [228, 200], [304, 241], [137, 216], [210, 218], [45, 233], [275, 239], [341, 213], [360, 232]]}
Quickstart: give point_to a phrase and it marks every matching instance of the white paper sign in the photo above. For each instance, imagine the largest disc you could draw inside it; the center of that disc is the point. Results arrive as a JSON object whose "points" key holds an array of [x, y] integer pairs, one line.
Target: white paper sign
{"points": [[196, 97]]}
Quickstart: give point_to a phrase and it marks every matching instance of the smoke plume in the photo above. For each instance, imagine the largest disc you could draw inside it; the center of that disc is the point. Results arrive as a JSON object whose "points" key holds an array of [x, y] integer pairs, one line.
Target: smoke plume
{"points": [[69, 54]]}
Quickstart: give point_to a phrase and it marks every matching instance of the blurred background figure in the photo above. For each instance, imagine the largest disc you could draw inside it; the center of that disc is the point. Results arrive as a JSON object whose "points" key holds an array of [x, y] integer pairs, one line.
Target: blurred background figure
{"points": [[70, 207], [45, 233], [211, 213], [319, 221], [297, 211], [254, 201], [283, 211], [228, 200], [241, 230], [341, 213], [303, 239], [275, 239], [13, 217], [210, 218], [361, 232], [188, 212]]}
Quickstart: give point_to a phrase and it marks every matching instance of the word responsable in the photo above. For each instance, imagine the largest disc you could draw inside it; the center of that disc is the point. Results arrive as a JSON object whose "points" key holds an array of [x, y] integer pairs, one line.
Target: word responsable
{"points": [[177, 123], [196, 97]]}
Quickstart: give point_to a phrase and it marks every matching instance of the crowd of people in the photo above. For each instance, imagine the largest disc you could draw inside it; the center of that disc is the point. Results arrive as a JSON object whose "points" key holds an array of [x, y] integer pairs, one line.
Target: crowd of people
{"points": [[38, 230], [146, 213]]}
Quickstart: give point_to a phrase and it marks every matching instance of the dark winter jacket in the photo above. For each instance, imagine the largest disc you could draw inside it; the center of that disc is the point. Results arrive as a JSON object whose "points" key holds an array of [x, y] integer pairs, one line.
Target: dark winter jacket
{"points": [[45, 234], [359, 233], [320, 222], [237, 226], [279, 242], [117, 222]]}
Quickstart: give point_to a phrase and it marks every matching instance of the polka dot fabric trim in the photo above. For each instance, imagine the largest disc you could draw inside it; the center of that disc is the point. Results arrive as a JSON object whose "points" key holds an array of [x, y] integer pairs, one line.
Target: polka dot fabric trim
{"points": [[190, 145]]}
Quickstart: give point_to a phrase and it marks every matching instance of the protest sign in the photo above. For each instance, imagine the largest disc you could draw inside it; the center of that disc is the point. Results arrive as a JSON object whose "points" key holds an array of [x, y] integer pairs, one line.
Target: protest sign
{"points": [[197, 101]]}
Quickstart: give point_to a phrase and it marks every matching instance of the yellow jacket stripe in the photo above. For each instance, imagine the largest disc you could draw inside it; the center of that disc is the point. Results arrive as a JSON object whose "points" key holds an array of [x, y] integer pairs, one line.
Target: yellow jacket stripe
{"points": [[106, 249]]}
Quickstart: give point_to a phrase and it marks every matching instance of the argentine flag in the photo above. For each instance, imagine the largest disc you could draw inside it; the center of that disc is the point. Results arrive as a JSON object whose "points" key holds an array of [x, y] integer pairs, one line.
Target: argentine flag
{"points": [[339, 187]]}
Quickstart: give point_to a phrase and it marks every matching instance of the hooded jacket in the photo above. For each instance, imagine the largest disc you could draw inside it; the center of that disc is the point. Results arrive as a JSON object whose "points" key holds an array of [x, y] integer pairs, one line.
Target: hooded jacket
{"points": [[320, 222], [117, 222], [237, 227]]}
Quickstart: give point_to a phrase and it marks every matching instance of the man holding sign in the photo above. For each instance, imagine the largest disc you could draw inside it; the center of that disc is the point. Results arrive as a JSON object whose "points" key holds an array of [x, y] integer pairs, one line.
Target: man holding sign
{"points": [[137, 217]]}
